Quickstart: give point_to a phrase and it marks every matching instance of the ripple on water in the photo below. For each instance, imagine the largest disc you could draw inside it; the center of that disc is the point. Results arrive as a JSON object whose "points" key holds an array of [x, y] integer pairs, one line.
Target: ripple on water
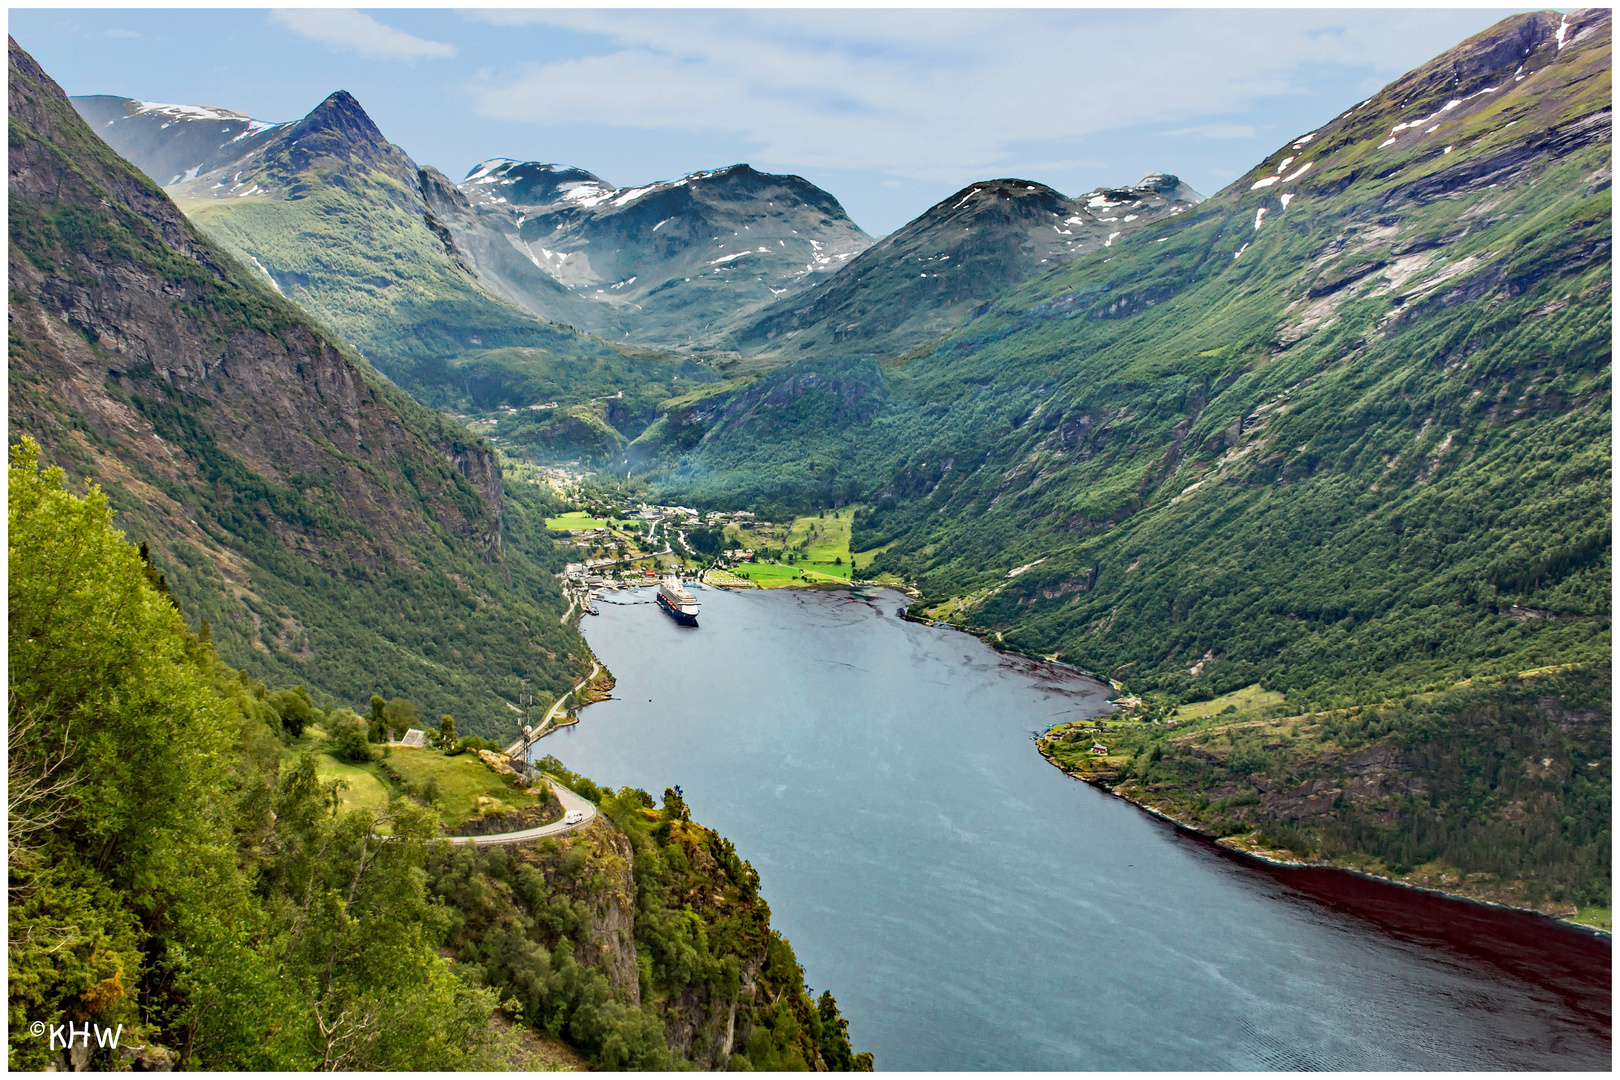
{"points": [[973, 908]]}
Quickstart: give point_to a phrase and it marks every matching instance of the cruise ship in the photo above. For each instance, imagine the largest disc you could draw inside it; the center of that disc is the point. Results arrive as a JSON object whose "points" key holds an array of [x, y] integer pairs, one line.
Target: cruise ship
{"points": [[677, 603]]}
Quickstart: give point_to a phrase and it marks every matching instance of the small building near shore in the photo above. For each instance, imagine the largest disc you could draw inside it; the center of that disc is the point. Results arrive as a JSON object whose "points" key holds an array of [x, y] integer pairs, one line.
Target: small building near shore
{"points": [[415, 737], [1099, 748]]}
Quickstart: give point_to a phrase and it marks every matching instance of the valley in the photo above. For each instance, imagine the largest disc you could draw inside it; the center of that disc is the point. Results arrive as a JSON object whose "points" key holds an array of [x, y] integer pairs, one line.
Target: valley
{"points": [[1282, 514]]}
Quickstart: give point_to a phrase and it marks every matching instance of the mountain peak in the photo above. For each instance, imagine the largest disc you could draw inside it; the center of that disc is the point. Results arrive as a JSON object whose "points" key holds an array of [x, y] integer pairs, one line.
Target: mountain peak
{"points": [[1170, 186], [536, 183], [927, 276], [340, 114], [1461, 119]]}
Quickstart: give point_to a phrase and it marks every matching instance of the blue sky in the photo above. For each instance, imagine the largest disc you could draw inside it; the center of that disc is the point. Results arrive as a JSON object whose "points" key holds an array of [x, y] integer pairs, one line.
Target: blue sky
{"points": [[890, 110]]}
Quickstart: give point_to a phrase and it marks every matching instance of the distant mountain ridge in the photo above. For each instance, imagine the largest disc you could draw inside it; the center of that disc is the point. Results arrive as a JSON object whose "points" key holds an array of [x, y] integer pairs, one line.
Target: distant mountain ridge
{"points": [[675, 263], [678, 262], [336, 217], [713, 262], [927, 277], [168, 142]]}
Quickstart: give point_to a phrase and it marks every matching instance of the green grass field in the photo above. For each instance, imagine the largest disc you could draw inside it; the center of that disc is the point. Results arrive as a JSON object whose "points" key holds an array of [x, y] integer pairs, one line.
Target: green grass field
{"points": [[859, 559], [1249, 699], [825, 556], [460, 780], [576, 520], [723, 579], [826, 539], [1600, 917], [769, 575]]}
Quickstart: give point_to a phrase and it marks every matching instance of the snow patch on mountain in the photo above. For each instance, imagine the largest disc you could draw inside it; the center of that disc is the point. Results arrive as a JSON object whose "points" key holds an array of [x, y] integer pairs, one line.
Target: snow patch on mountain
{"points": [[190, 112]]}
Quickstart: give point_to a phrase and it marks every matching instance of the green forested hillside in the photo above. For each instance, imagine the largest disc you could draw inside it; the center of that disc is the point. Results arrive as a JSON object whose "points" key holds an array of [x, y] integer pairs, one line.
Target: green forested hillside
{"points": [[181, 880], [161, 876], [329, 530], [1499, 791], [1342, 432], [1343, 429]]}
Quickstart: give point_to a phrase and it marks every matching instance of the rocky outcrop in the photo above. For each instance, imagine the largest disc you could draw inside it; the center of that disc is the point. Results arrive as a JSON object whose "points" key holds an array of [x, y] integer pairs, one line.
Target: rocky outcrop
{"points": [[592, 870]]}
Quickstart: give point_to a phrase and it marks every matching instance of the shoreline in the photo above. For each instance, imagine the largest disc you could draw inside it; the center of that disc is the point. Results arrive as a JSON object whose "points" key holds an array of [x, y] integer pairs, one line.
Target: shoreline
{"points": [[1279, 858], [1227, 845]]}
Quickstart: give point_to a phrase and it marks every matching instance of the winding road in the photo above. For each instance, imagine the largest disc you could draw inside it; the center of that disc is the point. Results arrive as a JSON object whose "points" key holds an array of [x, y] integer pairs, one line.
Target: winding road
{"points": [[523, 742], [570, 802]]}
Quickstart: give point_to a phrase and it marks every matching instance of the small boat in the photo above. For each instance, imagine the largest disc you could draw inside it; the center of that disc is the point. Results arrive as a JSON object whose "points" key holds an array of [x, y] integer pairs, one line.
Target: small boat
{"points": [[677, 603]]}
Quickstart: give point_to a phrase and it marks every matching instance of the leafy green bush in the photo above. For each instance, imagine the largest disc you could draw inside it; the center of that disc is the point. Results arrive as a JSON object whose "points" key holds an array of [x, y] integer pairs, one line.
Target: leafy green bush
{"points": [[143, 777], [348, 734], [296, 709]]}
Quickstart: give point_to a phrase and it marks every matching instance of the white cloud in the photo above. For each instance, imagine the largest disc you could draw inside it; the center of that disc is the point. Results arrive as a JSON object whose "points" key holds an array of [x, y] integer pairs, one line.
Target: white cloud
{"points": [[345, 28], [1217, 131], [117, 33], [935, 95]]}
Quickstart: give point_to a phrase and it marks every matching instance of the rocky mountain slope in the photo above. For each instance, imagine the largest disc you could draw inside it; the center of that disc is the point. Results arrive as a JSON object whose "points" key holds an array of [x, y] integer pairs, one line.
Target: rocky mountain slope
{"points": [[1343, 430], [676, 263], [932, 275], [643, 941], [171, 143], [328, 529], [334, 216]]}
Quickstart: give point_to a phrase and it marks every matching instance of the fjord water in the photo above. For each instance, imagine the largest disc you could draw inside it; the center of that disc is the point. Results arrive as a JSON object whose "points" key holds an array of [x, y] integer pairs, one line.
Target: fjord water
{"points": [[973, 908]]}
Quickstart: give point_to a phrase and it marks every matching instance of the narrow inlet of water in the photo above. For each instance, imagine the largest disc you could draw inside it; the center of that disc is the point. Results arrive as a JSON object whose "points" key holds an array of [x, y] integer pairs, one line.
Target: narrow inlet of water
{"points": [[973, 908]]}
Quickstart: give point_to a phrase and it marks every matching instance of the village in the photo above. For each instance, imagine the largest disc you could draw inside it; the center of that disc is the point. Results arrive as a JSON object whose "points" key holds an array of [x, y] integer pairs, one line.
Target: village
{"points": [[628, 544]]}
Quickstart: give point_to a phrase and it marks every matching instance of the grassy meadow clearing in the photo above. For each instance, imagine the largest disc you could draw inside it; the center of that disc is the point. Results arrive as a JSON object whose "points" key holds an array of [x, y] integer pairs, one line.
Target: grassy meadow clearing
{"points": [[455, 784], [813, 549], [579, 519]]}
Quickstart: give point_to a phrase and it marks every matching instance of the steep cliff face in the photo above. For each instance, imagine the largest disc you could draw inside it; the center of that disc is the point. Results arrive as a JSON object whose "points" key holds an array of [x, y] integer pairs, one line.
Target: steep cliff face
{"points": [[579, 889], [277, 479], [119, 320], [642, 941]]}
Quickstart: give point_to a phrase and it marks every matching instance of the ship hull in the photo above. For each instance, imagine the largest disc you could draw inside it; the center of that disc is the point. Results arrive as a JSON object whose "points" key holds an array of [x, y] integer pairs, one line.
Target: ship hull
{"points": [[676, 613]]}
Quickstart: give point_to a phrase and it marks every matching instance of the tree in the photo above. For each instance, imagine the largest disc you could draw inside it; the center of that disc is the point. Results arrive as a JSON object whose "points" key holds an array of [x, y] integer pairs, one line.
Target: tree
{"points": [[361, 949], [401, 715], [122, 866], [296, 709], [349, 737], [447, 730]]}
